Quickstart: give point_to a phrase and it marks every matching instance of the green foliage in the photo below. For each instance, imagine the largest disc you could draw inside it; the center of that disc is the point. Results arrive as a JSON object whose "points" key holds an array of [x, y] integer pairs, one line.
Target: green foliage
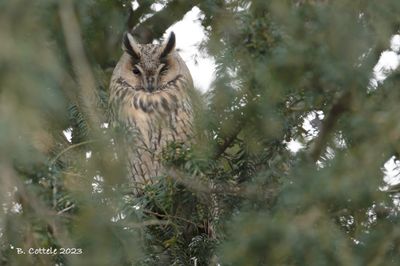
{"points": [[237, 195]]}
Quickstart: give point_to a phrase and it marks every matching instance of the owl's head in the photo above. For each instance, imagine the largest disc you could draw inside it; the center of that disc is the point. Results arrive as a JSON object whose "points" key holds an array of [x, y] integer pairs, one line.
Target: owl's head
{"points": [[150, 67]]}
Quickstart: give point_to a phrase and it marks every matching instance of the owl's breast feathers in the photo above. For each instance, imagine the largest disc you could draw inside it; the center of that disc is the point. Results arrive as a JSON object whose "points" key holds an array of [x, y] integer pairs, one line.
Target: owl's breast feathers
{"points": [[150, 96], [156, 119]]}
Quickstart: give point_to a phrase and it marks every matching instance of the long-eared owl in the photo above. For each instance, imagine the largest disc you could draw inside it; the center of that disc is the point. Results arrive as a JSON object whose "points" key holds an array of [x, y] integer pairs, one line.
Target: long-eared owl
{"points": [[150, 95]]}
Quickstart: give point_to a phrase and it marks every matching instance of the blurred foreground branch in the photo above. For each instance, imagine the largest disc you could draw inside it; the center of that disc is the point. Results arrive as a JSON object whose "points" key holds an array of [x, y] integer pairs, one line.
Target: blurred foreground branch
{"points": [[87, 85]]}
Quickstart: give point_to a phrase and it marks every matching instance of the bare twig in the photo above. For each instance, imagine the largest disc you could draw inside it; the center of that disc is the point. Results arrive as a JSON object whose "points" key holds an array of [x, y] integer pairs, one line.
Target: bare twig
{"points": [[341, 106], [66, 209], [147, 223], [70, 148], [174, 217], [207, 188], [227, 142]]}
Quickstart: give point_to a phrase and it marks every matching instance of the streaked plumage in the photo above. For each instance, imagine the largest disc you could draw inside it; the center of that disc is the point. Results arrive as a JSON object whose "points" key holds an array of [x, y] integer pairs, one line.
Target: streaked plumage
{"points": [[150, 95]]}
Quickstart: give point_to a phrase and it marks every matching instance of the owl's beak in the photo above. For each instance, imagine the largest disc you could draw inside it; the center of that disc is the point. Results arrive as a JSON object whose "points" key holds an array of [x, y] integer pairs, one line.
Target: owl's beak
{"points": [[150, 87], [150, 84]]}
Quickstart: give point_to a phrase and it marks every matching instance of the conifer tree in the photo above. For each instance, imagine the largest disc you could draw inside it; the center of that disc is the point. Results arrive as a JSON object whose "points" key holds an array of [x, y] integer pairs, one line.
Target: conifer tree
{"points": [[298, 71]]}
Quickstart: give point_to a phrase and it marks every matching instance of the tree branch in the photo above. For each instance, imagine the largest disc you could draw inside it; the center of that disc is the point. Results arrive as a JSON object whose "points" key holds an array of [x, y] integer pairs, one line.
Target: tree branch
{"points": [[227, 142], [341, 106], [343, 103], [134, 16], [155, 26], [168, 216]]}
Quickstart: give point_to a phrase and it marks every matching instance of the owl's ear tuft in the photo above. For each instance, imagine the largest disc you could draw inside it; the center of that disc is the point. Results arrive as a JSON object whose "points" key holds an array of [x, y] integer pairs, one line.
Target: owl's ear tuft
{"points": [[169, 45], [130, 46]]}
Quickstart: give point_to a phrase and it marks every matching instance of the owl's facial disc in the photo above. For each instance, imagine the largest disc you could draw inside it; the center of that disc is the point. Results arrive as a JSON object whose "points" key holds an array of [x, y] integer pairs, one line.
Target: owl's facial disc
{"points": [[149, 63], [151, 72]]}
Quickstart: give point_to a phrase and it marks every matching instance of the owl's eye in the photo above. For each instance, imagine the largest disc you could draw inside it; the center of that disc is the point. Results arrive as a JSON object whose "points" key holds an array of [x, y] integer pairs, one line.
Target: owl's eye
{"points": [[136, 71], [164, 70]]}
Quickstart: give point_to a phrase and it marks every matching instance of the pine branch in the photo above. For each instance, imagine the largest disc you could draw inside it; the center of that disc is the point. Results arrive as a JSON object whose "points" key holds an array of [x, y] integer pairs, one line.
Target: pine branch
{"points": [[342, 105]]}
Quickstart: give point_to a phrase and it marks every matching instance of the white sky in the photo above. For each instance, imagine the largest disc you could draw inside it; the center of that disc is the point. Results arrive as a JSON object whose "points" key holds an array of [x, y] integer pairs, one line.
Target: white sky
{"points": [[189, 34], [388, 61]]}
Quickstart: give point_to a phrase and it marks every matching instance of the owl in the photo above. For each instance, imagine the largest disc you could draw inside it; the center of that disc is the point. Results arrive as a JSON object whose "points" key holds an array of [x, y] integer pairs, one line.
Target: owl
{"points": [[150, 95]]}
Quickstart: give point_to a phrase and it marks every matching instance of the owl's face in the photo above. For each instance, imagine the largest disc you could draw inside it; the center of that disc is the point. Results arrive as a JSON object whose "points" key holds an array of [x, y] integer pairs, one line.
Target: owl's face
{"points": [[149, 67]]}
